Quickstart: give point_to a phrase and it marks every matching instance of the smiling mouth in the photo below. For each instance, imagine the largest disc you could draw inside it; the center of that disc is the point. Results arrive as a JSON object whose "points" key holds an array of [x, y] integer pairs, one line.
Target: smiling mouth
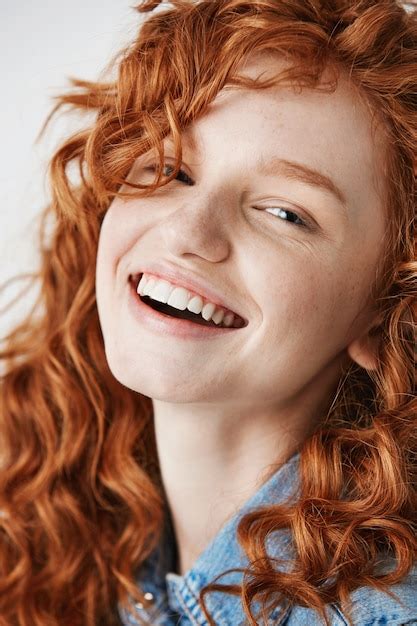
{"points": [[170, 311]]}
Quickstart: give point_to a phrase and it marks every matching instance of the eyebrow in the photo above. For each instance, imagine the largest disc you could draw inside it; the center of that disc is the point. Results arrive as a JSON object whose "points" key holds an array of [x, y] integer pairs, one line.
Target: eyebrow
{"points": [[303, 173]]}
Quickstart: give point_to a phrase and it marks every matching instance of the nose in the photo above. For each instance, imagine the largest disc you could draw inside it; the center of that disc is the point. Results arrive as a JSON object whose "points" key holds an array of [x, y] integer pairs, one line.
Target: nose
{"points": [[200, 226]]}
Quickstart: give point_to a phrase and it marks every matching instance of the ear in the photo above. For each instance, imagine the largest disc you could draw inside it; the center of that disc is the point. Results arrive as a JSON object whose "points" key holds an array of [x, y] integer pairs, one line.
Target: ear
{"points": [[364, 349]]}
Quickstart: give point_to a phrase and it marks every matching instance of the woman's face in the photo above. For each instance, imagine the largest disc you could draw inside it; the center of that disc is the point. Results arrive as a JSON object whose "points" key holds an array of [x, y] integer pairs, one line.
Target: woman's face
{"points": [[294, 257]]}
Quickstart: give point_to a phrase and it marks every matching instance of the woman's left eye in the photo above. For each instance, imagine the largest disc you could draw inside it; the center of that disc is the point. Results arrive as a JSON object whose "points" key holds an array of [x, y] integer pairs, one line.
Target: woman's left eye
{"points": [[293, 218]]}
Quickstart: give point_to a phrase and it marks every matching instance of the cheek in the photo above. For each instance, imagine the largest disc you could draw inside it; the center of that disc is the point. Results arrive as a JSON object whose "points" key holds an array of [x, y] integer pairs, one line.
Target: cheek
{"points": [[119, 232], [307, 300], [114, 231], [111, 247], [106, 252]]}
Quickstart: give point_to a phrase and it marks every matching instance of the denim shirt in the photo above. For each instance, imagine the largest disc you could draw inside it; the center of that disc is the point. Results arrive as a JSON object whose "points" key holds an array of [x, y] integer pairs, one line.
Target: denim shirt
{"points": [[173, 599]]}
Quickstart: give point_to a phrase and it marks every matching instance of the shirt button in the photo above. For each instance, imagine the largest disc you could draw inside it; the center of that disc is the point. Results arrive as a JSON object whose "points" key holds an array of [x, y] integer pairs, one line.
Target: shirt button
{"points": [[148, 596]]}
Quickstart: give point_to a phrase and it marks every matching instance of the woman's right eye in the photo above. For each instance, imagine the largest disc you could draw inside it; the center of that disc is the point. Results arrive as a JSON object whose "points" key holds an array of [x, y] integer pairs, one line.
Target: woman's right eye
{"points": [[181, 176]]}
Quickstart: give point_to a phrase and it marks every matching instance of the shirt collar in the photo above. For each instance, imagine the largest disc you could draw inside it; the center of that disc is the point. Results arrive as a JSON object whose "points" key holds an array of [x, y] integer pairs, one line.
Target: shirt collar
{"points": [[173, 594]]}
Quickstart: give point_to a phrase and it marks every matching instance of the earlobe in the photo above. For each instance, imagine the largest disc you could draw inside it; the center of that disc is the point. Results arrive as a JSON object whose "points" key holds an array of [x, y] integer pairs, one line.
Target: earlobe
{"points": [[364, 350]]}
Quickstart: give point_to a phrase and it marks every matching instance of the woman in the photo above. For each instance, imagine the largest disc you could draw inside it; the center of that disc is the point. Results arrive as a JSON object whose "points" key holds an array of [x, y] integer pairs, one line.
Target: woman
{"points": [[212, 420]]}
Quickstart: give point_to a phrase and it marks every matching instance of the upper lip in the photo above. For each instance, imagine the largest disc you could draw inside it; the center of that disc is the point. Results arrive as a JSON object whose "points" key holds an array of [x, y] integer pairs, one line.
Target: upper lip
{"points": [[190, 281]]}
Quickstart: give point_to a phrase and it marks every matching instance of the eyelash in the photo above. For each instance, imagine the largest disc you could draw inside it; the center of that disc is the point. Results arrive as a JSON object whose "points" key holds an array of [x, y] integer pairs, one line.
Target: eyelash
{"points": [[183, 177], [181, 174]]}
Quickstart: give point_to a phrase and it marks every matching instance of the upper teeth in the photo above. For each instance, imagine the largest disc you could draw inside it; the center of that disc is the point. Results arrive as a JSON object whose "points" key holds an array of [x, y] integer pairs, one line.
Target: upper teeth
{"points": [[180, 298]]}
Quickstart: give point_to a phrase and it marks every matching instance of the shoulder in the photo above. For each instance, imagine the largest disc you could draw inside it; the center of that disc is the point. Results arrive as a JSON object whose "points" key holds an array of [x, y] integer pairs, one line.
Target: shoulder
{"points": [[370, 607]]}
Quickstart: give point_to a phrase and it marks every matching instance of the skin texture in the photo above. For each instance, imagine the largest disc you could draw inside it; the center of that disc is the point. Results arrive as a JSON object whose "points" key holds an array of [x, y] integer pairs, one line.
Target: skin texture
{"points": [[228, 408]]}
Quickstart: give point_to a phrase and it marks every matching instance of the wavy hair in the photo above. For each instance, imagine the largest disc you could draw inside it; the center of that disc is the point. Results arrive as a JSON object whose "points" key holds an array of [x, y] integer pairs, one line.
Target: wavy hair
{"points": [[81, 495]]}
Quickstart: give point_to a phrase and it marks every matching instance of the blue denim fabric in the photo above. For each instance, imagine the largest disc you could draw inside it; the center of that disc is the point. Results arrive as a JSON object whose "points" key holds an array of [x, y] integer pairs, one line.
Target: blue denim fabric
{"points": [[174, 598]]}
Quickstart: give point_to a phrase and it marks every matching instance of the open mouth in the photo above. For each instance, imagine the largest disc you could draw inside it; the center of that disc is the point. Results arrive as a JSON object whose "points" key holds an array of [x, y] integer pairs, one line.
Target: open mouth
{"points": [[185, 314], [173, 312]]}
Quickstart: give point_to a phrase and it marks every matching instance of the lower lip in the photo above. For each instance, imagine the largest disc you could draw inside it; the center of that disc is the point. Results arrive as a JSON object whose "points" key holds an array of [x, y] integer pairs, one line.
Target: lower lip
{"points": [[164, 324]]}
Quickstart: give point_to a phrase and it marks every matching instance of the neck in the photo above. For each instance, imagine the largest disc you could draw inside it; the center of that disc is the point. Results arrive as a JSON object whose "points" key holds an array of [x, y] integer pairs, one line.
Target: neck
{"points": [[212, 460]]}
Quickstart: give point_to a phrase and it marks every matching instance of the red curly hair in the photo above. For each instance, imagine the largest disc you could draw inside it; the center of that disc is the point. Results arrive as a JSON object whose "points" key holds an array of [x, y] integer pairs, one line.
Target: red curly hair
{"points": [[81, 494]]}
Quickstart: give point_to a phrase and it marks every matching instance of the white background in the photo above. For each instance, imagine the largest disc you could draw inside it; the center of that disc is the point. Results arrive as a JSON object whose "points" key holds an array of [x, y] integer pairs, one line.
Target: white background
{"points": [[42, 43]]}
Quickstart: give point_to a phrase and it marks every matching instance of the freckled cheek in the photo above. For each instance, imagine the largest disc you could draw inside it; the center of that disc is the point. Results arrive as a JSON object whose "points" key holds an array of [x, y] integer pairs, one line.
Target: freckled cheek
{"points": [[302, 300]]}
